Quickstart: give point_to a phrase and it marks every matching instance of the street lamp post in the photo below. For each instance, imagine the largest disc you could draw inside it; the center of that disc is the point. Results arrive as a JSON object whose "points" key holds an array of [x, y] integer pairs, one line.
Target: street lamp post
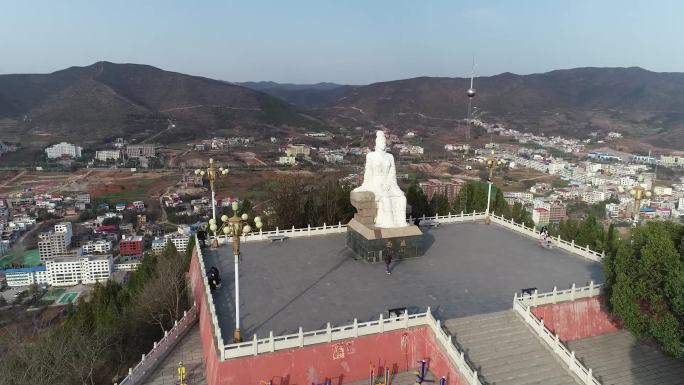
{"points": [[212, 174], [234, 227], [490, 165], [638, 192]]}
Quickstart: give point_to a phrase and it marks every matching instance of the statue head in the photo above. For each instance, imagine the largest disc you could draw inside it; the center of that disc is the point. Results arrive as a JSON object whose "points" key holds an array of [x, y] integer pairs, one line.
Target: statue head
{"points": [[380, 142]]}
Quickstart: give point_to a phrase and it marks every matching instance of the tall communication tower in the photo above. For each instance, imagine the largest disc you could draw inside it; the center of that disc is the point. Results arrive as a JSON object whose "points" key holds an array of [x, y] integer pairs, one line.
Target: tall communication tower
{"points": [[471, 94]]}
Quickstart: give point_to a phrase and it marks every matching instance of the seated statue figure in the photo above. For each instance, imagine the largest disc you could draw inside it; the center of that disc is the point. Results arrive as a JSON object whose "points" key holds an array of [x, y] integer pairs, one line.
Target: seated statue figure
{"points": [[380, 178]]}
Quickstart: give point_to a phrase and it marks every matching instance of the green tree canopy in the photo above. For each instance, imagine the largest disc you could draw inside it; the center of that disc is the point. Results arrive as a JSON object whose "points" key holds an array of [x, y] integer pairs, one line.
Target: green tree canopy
{"points": [[416, 198], [645, 284], [440, 204], [473, 197]]}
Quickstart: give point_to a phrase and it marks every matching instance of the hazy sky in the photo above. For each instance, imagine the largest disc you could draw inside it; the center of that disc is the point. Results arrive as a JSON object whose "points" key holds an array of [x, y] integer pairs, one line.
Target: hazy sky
{"points": [[345, 41]]}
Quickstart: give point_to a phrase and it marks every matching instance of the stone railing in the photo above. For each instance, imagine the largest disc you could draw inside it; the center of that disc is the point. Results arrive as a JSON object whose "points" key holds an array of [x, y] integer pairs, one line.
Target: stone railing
{"points": [[289, 233], [340, 228], [584, 252], [454, 218], [329, 334], [218, 338], [555, 296], [149, 362], [522, 305]]}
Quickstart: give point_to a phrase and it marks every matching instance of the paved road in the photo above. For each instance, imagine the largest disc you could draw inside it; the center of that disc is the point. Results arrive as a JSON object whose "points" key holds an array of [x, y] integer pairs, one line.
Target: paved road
{"points": [[468, 269]]}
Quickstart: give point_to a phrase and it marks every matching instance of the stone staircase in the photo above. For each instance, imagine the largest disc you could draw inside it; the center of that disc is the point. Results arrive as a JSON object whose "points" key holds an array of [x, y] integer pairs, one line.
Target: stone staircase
{"points": [[620, 359], [506, 352]]}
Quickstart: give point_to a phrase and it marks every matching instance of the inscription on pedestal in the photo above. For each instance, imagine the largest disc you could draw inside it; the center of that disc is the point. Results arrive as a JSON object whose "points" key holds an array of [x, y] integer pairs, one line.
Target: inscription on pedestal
{"points": [[372, 244]]}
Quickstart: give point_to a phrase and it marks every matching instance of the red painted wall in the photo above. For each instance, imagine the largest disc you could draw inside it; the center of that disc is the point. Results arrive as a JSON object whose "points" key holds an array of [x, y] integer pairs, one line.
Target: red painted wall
{"points": [[204, 319], [574, 320], [341, 361]]}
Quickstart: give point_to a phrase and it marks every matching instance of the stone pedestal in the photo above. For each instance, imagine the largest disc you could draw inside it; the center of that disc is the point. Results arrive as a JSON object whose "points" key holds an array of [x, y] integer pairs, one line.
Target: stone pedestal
{"points": [[371, 244]]}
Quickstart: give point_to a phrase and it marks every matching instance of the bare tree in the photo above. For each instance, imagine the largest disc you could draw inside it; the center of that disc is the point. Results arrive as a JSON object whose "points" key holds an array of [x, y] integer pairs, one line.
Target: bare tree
{"points": [[161, 299]]}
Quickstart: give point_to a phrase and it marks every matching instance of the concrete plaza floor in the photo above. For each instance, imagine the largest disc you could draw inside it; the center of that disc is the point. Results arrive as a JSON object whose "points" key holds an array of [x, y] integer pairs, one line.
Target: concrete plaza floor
{"points": [[468, 268]]}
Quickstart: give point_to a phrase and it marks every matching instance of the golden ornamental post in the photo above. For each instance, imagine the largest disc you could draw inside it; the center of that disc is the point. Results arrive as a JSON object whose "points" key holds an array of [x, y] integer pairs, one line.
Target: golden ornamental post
{"points": [[638, 192], [212, 174], [234, 227]]}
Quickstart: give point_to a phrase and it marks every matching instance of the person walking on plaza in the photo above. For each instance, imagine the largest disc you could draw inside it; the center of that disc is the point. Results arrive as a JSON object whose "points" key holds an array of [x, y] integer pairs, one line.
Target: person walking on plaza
{"points": [[388, 261]]}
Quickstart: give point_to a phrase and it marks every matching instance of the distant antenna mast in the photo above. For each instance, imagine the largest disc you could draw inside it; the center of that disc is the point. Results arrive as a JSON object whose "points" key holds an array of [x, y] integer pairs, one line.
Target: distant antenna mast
{"points": [[471, 94]]}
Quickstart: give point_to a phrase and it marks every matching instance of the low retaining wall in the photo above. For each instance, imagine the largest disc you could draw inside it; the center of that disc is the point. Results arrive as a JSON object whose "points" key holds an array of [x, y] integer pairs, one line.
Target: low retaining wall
{"points": [[567, 315], [160, 350], [341, 361], [574, 320]]}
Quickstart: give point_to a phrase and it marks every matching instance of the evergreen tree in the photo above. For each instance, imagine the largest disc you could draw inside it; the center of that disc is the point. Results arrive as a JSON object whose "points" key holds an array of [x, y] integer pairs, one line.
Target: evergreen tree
{"points": [[473, 197], [415, 197], [568, 229], [645, 282], [520, 215], [590, 233], [440, 204]]}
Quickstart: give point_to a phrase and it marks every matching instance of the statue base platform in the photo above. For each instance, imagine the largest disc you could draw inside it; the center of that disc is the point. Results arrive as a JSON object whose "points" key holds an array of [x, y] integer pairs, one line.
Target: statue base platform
{"points": [[371, 244]]}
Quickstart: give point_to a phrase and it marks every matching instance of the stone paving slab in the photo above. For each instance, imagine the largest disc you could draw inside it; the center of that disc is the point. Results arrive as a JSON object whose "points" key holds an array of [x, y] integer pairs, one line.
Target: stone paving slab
{"points": [[621, 359], [188, 350], [467, 269]]}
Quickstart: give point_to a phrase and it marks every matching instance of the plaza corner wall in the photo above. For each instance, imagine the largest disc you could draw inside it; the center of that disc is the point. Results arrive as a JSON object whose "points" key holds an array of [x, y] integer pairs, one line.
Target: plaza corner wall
{"points": [[341, 361], [578, 319]]}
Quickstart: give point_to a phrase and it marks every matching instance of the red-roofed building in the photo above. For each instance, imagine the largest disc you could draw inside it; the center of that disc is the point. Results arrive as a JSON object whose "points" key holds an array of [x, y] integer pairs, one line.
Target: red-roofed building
{"points": [[131, 246], [106, 229], [540, 216]]}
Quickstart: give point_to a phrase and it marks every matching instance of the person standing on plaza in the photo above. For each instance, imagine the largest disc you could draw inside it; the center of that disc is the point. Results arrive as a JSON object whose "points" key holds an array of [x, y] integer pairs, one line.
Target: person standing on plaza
{"points": [[388, 261]]}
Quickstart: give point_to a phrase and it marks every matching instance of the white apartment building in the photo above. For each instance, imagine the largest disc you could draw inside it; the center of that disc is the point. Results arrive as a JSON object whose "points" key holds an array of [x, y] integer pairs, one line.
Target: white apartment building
{"points": [[63, 272], [105, 155], [595, 196], [672, 161], [662, 190], [140, 150], [63, 149], [334, 158], [100, 246], [680, 204], [627, 181], [180, 241], [288, 160], [540, 216], [96, 269], [55, 243], [612, 210], [158, 245], [522, 196], [556, 167]]}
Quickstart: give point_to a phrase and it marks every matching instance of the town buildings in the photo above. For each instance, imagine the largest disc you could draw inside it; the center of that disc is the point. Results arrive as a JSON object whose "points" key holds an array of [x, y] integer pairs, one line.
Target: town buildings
{"points": [[63, 272], [98, 246], [131, 246], [540, 216], [63, 149], [105, 155], [557, 211], [295, 150], [140, 150], [56, 243], [449, 188]]}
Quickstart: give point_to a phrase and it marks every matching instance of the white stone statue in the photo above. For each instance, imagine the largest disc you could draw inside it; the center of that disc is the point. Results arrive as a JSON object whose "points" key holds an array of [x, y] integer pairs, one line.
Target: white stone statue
{"points": [[380, 178]]}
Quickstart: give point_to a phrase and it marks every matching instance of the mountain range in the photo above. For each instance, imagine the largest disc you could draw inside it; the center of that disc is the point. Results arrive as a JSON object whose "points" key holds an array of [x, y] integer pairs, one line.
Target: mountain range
{"points": [[96, 103], [104, 100], [302, 95]]}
